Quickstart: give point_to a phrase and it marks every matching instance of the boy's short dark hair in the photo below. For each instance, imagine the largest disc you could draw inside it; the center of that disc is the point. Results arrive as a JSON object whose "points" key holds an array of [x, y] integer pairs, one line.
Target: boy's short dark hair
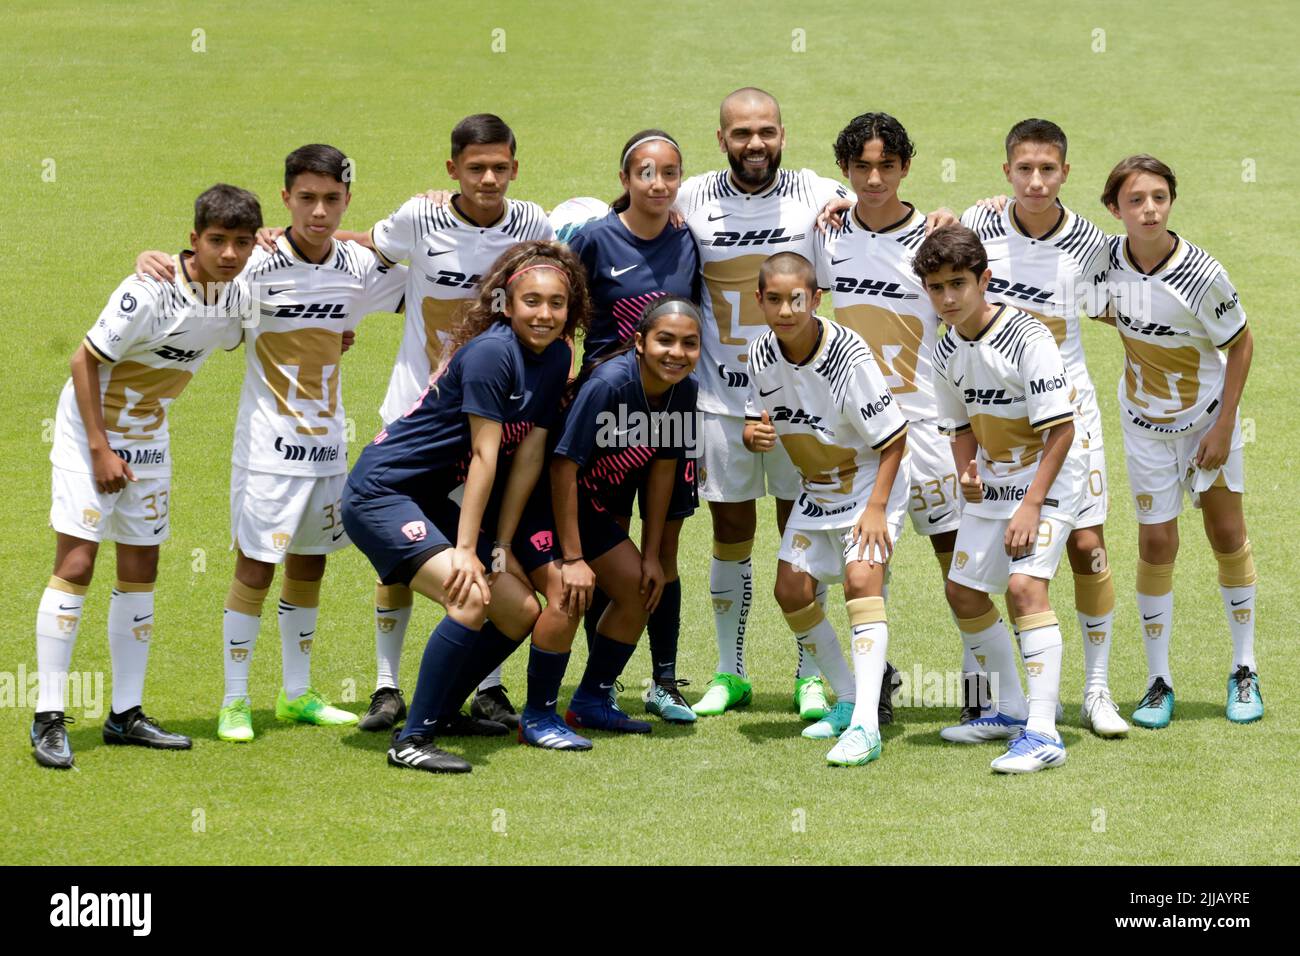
{"points": [[481, 129], [868, 126], [228, 207], [1141, 163], [788, 264], [952, 245], [1036, 131], [319, 159]]}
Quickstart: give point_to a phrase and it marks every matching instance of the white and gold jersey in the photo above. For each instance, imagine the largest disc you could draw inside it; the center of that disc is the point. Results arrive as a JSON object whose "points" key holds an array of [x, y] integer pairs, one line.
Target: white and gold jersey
{"points": [[448, 255], [150, 340], [1008, 386], [877, 295], [1053, 278], [291, 418], [735, 231], [1175, 323], [833, 414]]}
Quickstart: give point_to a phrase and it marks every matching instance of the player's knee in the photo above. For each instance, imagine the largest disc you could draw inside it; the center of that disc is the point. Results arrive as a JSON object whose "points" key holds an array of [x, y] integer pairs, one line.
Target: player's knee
{"points": [[255, 574], [1158, 543], [76, 568], [964, 601], [1226, 533], [1026, 593], [791, 593]]}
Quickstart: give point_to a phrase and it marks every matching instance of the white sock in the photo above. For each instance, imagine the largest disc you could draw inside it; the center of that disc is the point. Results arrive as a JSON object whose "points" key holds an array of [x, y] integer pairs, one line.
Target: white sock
{"points": [[1094, 604], [130, 629], [1040, 642], [57, 621], [297, 634], [239, 626], [492, 680], [392, 616], [1239, 605], [869, 644], [818, 639], [806, 666], [731, 584], [1155, 603], [987, 639]]}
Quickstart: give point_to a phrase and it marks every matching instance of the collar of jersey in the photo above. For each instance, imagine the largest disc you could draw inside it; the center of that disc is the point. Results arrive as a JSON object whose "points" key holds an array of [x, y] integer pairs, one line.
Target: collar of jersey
{"points": [[505, 209], [297, 253], [818, 347], [984, 332], [892, 227], [1055, 230], [1163, 265], [730, 179]]}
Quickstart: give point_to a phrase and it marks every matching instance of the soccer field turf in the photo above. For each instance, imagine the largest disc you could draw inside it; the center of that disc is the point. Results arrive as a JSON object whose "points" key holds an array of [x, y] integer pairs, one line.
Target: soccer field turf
{"points": [[115, 121]]}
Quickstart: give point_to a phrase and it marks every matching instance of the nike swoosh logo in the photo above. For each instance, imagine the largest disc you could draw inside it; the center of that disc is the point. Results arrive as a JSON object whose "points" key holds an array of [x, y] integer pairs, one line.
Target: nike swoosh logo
{"points": [[606, 686], [515, 398], [69, 607], [959, 381], [160, 529], [306, 633], [428, 722], [1086, 510], [1098, 624], [728, 591], [337, 534], [836, 262], [615, 273], [716, 218], [142, 617], [1030, 657], [932, 519], [238, 642], [433, 255], [270, 291], [764, 394], [1147, 617], [552, 703], [1236, 603]]}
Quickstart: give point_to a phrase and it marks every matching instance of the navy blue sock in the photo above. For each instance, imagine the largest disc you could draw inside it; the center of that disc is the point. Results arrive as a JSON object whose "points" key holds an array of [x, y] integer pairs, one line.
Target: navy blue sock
{"points": [[491, 648], [545, 673], [663, 628], [607, 660], [590, 620], [448, 646]]}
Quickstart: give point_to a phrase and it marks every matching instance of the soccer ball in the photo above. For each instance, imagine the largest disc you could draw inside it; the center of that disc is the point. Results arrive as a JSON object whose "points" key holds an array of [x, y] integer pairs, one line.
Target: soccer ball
{"points": [[572, 214]]}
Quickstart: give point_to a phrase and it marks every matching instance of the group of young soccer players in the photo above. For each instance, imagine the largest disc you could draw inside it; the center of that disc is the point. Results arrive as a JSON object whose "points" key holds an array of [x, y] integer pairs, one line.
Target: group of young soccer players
{"points": [[949, 390]]}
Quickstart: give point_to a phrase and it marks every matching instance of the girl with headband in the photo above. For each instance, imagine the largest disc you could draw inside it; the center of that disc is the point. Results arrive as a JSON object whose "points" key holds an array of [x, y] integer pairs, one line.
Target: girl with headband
{"points": [[631, 421], [633, 256], [427, 496]]}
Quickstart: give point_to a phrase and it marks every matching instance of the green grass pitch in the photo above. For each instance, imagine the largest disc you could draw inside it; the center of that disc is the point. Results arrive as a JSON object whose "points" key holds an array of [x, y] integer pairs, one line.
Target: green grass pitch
{"points": [[114, 120]]}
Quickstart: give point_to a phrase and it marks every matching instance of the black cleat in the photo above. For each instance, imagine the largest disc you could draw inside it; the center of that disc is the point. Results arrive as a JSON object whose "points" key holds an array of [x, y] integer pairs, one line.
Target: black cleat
{"points": [[386, 709], [419, 753], [976, 696], [134, 727], [460, 725], [50, 739], [888, 684], [493, 704]]}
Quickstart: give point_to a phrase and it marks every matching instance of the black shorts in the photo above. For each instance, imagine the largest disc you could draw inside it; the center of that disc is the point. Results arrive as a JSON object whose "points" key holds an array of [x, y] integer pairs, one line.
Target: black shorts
{"points": [[399, 533], [685, 499], [536, 542]]}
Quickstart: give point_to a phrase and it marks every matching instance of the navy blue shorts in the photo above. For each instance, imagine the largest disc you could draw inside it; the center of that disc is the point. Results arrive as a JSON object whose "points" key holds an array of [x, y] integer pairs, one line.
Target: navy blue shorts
{"points": [[685, 499], [536, 542], [399, 533]]}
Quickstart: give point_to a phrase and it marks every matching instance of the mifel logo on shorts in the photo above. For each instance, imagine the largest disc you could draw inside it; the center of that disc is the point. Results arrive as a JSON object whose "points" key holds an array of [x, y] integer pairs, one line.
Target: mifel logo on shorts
{"points": [[1155, 630], [238, 654], [1097, 637], [280, 540], [801, 543], [90, 517], [143, 633], [721, 605], [1241, 615], [1145, 503], [959, 561], [386, 624]]}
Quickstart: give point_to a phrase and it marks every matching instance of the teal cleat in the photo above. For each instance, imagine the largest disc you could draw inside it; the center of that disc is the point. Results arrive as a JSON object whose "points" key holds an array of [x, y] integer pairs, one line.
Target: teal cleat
{"points": [[833, 724], [1245, 702], [856, 746], [1157, 708], [667, 702]]}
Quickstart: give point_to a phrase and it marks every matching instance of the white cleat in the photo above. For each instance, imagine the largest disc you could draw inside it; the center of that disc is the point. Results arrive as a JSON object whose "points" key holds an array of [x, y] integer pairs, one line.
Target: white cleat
{"points": [[1100, 715], [982, 729], [1029, 752]]}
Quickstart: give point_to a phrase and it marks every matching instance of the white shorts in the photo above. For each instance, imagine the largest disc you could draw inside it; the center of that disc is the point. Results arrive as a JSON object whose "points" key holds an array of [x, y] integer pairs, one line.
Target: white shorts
{"points": [[825, 554], [1160, 470], [731, 472], [1096, 490], [138, 514], [980, 560], [934, 501], [275, 515]]}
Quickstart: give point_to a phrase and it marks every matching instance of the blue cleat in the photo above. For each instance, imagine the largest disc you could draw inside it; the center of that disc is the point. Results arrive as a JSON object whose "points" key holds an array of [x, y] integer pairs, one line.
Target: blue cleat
{"points": [[1156, 709], [1245, 702], [996, 726], [1030, 751], [543, 728], [602, 713]]}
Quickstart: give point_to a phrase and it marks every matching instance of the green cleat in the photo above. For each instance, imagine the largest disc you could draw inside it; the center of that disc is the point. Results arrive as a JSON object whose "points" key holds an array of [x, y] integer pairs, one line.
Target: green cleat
{"points": [[810, 697], [1156, 709], [725, 692], [856, 746], [1245, 702], [835, 722], [311, 708], [235, 722]]}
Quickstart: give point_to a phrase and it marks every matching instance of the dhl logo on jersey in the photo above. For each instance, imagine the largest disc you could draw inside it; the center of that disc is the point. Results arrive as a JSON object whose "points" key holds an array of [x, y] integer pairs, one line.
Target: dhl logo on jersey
{"points": [[313, 310], [848, 285], [454, 280], [752, 237], [1019, 290], [990, 396], [798, 416], [170, 353]]}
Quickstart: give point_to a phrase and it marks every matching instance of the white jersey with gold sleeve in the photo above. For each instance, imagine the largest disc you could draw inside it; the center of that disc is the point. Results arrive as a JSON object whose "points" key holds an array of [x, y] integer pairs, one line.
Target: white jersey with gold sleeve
{"points": [[1175, 323], [877, 295], [834, 414], [291, 418], [735, 232], [151, 339], [1009, 385], [448, 255], [1052, 277]]}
